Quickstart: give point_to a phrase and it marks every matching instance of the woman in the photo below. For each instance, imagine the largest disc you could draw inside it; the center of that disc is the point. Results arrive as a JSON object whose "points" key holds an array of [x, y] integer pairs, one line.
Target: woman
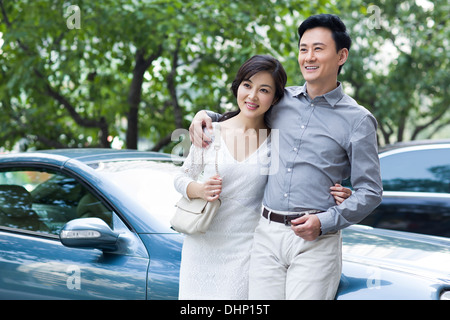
{"points": [[214, 265]]}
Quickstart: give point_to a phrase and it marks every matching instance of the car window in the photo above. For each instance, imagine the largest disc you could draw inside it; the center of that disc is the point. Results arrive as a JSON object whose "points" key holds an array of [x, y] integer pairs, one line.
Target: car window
{"points": [[43, 201], [417, 171]]}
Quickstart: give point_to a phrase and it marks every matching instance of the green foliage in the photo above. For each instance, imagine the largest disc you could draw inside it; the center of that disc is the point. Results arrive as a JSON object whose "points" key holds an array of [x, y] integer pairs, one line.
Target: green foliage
{"points": [[398, 67], [138, 69]]}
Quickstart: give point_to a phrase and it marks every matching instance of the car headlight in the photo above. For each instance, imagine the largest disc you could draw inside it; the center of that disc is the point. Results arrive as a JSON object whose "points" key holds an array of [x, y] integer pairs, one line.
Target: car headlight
{"points": [[445, 295]]}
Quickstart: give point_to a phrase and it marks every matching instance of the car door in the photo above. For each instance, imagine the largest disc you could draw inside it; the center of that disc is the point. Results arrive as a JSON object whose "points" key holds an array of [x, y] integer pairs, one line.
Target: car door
{"points": [[35, 204]]}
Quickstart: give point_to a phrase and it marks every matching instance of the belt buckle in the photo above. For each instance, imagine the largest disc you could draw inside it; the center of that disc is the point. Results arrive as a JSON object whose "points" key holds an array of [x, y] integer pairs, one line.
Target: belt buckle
{"points": [[286, 221], [287, 218]]}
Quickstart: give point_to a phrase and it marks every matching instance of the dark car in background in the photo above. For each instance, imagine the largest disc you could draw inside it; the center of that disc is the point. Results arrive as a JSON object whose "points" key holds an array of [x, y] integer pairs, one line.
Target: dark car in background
{"points": [[416, 183]]}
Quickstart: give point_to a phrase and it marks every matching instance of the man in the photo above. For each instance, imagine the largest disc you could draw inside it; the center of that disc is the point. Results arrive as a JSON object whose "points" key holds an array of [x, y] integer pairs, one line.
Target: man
{"points": [[324, 137]]}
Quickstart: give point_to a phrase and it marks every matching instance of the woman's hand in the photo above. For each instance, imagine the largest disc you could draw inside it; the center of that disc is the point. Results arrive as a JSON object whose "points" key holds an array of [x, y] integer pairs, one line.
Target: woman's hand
{"points": [[212, 188], [340, 193]]}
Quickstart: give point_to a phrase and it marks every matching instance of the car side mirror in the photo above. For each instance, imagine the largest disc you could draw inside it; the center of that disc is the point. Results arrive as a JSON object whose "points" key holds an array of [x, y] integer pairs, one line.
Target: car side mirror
{"points": [[89, 233]]}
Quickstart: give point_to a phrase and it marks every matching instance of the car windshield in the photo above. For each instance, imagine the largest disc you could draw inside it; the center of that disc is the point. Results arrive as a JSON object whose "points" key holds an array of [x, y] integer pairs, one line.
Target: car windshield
{"points": [[148, 182]]}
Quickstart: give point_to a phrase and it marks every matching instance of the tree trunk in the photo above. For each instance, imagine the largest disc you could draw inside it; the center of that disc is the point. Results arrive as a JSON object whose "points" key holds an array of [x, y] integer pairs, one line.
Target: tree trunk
{"points": [[134, 96], [171, 84]]}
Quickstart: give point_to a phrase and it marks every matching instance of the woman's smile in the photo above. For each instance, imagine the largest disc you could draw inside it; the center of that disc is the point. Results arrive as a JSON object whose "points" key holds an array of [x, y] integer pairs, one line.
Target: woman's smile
{"points": [[251, 105]]}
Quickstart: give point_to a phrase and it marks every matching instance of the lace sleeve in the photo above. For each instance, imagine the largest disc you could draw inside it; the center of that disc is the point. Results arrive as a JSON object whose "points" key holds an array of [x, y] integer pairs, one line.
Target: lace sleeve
{"points": [[190, 171]]}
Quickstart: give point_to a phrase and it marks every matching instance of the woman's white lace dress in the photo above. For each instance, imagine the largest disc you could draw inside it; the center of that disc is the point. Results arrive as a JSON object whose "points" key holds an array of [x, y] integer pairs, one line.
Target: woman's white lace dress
{"points": [[215, 265]]}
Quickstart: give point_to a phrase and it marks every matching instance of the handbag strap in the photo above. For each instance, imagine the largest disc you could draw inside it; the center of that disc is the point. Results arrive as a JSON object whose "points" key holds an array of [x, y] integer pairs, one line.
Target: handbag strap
{"points": [[216, 144]]}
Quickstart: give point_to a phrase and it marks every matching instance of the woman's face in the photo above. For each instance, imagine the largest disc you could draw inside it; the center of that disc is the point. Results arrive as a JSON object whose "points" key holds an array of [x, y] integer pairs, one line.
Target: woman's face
{"points": [[256, 95]]}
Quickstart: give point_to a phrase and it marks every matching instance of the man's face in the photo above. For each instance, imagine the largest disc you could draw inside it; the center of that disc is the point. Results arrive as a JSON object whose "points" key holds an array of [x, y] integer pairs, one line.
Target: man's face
{"points": [[319, 62]]}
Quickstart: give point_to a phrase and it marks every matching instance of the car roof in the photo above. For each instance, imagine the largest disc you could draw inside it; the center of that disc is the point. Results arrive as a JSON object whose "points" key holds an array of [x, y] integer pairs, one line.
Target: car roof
{"points": [[400, 150], [84, 155], [87, 155], [416, 144]]}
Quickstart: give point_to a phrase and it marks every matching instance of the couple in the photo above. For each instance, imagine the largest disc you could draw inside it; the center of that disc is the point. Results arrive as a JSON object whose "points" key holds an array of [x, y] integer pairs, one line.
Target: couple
{"points": [[323, 137]]}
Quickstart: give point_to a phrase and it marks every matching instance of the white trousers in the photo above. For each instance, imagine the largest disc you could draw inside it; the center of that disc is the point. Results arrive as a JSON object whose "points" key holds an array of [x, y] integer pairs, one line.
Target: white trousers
{"points": [[284, 266]]}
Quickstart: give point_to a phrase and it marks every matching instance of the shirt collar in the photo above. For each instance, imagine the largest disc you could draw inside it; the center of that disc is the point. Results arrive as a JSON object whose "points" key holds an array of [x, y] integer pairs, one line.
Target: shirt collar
{"points": [[300, 90], [332, 97]]}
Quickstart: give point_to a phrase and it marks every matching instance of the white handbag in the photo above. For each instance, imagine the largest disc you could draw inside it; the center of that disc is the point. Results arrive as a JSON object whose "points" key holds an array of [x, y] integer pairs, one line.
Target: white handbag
{"points": [[194, 216]]}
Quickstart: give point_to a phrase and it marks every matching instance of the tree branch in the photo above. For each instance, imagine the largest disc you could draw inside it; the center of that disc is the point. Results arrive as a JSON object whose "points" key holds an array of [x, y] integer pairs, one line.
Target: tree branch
{"points": [[88, 123], [418, 129], [162, 143]]}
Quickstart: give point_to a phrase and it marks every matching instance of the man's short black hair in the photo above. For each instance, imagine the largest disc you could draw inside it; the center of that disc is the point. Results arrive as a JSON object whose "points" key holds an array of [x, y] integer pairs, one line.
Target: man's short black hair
{"points": [[332, 22]]}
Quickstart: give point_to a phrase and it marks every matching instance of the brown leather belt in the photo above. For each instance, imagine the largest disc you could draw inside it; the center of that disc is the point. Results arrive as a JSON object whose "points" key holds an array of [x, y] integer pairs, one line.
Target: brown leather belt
{"points": [[286, 218]]}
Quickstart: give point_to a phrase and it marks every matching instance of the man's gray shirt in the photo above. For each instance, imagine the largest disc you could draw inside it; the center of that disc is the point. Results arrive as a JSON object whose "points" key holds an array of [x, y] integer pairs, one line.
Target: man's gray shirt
{"points": [[318, 143]]}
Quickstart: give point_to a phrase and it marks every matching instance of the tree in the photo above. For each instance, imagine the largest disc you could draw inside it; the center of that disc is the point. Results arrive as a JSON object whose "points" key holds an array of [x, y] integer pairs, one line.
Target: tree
{"points": [[126, 67], [398, 66], [80, 75]]}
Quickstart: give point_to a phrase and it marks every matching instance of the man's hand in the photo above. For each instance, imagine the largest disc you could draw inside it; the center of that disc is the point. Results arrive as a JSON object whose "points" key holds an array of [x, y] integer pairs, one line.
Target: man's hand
{"points": [[306, 227], [200, 120]]}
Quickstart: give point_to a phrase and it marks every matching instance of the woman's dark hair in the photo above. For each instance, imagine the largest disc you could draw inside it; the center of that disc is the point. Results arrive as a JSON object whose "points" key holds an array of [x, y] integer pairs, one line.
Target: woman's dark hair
{"points": [[252, 66], [331, 22]]}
